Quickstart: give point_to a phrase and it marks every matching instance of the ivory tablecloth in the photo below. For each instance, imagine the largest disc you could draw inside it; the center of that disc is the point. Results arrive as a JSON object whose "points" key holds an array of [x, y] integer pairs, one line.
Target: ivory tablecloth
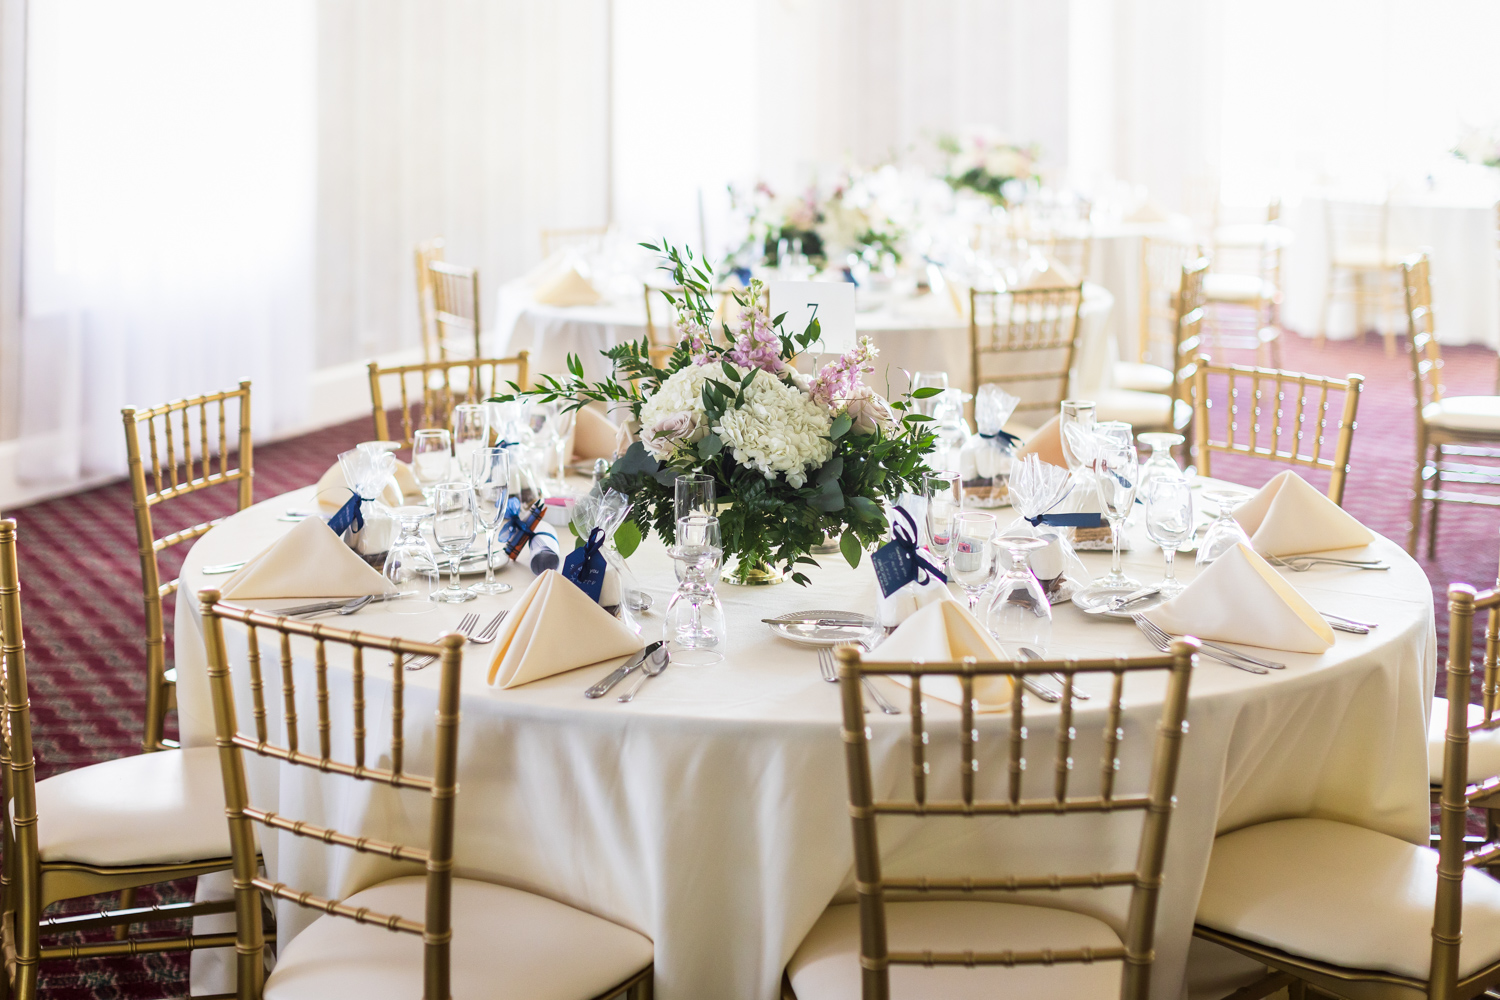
{"points": [[710, 813]]}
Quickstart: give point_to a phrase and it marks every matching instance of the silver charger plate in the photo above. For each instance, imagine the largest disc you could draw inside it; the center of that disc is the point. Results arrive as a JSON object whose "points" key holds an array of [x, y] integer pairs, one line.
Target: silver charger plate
{"points": [[1084, 603], [814, 635]]}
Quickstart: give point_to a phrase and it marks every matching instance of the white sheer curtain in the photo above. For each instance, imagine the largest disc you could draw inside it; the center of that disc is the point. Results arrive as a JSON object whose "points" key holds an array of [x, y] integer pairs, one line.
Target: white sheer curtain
{"points": [[168, 217]]}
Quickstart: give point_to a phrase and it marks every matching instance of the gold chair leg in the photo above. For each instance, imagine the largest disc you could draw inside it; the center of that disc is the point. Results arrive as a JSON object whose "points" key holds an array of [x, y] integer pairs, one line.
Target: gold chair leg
{"points": [[1416, 500], [1296, 990], [127, 900], [1437, 487], [1322, 338]]}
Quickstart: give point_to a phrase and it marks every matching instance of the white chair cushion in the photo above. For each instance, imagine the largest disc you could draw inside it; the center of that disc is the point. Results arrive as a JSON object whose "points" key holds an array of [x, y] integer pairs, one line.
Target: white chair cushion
{"points": [[506, 943], [1342, 894], [1464, 413], [1142, 410], [1484, 744], [1142, 378], [155, 808], [1364, 255], [1236, 288], [826, 965]]}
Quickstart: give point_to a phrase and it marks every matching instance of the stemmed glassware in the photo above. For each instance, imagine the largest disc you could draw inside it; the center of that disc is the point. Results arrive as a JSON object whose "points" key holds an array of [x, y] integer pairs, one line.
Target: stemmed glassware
{"points": [[1225, 533], [410, 564], [431, 459], [1075, 413], [693, 493], [489, 472], [1160, 462], [1169, 523], [695, 617], [945, 498], [928, 380], [971, 560], [471, 431], [455, 525], [1020, 612], [1116, 469]]}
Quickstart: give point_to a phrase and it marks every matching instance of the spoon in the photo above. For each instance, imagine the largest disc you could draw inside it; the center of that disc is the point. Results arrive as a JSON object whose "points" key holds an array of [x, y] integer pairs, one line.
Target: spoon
{"points": [[653, 666]]}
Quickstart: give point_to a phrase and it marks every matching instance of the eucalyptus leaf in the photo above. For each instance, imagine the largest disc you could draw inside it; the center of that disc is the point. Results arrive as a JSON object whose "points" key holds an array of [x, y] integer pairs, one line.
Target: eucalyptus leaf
{"points": [[709, 447], [865, 507], [850, 547], [628, 538], [926, 392], [841, 425], [831, 470]]}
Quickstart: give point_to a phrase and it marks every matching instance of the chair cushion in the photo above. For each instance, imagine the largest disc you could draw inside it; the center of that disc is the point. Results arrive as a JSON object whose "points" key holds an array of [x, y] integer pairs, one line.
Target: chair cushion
{"points": [[1236, 288], [1143, 410], [1142, 378], [826, 964], [1364, 255], [1342, 894], [506, 943], [1464, 413], [154, 808], [1484, 744]]}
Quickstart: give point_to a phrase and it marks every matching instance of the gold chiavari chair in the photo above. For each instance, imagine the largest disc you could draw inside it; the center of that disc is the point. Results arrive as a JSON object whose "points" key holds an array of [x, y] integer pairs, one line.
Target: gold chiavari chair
{"points": [[1072, 251], [556, 239], [428, 251], [1362, 266], [1187, 325], [171, 476], [1458, 426], [1161, 278], [1039, 325], [850, 952], [1245, 282], [466, 944], [1364, 915], [455, 303], [108, 827], [434, 388], [1285, 418]]}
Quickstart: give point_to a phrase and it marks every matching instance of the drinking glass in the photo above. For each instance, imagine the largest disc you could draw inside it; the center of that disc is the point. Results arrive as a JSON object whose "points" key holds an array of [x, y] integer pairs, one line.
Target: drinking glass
{"points": [[561, 426], [455, 525], [471, 431], [1079, 413], [945, 498], [410, 564], [928, 380], [1115, 471], [489, 471], [695, 617], [431, 459], [1020, 613], [972, 559], [1169, 522], [1160, 462], [694, 493], [1225, 533]]}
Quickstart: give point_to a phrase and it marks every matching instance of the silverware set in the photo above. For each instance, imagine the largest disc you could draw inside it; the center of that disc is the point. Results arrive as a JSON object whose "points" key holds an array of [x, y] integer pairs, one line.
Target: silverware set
{"points": [[1301, 564], [830, 671], [343, 606], [651, 661], [1243, 661], [465, 628]]}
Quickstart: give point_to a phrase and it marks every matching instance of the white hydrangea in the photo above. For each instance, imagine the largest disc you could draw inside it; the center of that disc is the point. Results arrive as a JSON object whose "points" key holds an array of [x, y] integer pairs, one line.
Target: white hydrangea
{"points": [[674, 416], [779, 429]]}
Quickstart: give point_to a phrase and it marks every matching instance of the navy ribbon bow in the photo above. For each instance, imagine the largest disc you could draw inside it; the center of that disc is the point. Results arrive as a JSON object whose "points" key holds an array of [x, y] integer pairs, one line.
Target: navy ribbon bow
{"points": [[1005, 436], [516, 529], [1081, 520], [905, 535]]}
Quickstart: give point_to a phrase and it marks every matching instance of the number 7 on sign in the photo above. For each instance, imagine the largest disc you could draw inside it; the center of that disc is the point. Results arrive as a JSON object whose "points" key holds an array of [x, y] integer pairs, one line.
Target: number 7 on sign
{"points": [[828, 303]]}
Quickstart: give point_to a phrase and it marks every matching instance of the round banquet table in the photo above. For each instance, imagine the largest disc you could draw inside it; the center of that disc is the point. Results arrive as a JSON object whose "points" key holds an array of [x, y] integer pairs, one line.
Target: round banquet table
{"points": [[709, 814], [920, 334]]}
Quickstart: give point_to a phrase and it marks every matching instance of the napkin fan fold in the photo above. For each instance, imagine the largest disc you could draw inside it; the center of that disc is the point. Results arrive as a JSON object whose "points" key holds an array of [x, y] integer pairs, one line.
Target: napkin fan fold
{"points": [[555, 628], [308, 561], [944, 631], [1288, 516]]}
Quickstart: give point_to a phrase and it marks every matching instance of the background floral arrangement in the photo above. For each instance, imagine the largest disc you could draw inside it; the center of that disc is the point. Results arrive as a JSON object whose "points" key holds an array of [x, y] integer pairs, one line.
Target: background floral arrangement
{"points": [[832, 220], [796, 457], [1478, 145], [983, 161]]}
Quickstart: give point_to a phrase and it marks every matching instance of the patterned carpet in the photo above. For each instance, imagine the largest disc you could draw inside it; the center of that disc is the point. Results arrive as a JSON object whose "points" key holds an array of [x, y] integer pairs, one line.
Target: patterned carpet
{"points": [[83, 608]]}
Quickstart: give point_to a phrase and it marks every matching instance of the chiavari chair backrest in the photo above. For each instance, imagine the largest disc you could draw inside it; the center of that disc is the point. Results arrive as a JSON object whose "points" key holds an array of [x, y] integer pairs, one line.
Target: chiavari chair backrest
{"points": [[556, 239], [164, 436], [437, 857], [1426, 355], [428, 251], [1073, 251], [1033, 323], [1189, 326], [1278, 415], [875, 889], [17, 762], [1161, 275], [455, 301], [428, 392]]}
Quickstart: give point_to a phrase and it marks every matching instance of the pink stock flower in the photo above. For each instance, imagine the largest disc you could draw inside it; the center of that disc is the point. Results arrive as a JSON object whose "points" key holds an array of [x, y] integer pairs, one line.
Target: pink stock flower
{"points": [[837, 381], [757, 345]]}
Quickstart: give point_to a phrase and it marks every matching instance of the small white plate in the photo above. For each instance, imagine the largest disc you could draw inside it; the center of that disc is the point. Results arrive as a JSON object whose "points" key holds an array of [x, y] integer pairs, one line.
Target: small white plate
{"points": [[1146, 604], [815, 635]]}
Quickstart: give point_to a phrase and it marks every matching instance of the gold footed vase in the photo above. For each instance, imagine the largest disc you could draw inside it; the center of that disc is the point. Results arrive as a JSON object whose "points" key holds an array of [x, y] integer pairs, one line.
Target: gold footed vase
{"points": [[755, 574]]}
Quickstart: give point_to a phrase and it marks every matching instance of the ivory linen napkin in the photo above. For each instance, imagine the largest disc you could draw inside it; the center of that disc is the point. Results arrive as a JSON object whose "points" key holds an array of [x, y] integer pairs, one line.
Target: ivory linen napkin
{"points": [[568, 287], [1241, 598], [945, 630], [555, 628], [406, 482], [594, 435], [1289, 516], [333, 489], [308, 561]]}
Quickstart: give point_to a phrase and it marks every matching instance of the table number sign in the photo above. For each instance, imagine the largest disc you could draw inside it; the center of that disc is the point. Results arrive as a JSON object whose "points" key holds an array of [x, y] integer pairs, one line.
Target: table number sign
{"points": [[831, 303]]}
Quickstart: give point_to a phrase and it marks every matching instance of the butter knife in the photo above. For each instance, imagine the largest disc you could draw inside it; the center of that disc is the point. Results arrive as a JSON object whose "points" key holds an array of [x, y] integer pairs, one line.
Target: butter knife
{"points": [[820, 622], [621, 672]]}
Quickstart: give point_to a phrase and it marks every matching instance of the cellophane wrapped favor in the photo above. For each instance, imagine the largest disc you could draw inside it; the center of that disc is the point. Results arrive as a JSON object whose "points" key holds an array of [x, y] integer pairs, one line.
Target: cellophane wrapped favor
{"points": [[1038, 489]]}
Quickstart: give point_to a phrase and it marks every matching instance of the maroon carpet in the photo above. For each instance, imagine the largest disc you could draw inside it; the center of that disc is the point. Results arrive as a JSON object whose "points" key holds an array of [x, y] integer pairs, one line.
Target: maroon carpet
{"points": [[81, 582]]}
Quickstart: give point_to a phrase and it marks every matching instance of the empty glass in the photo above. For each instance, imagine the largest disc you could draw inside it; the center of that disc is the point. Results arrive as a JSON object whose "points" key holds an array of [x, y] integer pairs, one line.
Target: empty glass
{"points": [[1115, 471], [431, 459], [410, 564], [695, 618], [694, 493], [560, 428], [1020, 613], [1160, 462], [971, 560], [1169, 522], [1079, 413], [1225, 533], [471, 431], [489, 471], [945, 498], [455, 525]]}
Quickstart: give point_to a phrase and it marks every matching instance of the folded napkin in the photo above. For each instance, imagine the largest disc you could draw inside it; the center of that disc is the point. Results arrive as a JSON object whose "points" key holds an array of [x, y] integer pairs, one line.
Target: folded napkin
{"points": [[568, 287], [594, 435], [308, 561], [555, 628], [1289, 516], [944, 630], [333, 489], [1045, 444], [406, 481], [1241, 598]]}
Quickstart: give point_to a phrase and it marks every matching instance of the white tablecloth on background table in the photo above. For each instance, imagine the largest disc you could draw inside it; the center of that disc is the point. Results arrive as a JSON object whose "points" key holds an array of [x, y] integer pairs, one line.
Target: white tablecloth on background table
{"points": [[710, 814]]}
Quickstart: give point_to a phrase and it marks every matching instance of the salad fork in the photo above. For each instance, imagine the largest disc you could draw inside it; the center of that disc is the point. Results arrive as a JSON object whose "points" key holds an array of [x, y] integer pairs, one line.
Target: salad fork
{"points": [[487, 634], [465, 627], [831, 675]]}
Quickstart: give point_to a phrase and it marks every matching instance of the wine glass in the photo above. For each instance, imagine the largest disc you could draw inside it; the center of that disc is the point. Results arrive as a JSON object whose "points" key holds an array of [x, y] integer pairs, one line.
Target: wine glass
{"points": [[489, 471], [972, 559], [410, 563], [1075, 413], [695, 617], [1225, 533], [561, 426], [1115, 471], [471, 431], [431, 459], [455, 525], [1160, 462], [694, 493], [945, 498], [1019, 612], [928, 380], [1169, 522]]}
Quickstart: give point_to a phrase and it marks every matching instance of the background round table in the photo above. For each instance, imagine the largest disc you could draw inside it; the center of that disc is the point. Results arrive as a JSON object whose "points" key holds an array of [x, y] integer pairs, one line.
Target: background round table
{"points": [[710, 813]]}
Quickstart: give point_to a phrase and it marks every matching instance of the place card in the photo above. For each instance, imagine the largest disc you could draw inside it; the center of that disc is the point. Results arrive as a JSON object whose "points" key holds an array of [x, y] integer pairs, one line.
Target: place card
{"points": [[830, 302]]}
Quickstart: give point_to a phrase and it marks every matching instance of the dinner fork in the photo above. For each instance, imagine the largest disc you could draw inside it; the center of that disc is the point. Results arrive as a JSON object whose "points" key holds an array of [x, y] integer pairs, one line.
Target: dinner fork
{"points": [[487, 634], [465, 626], [1163, 642], [831, 675], [1301, 564]]}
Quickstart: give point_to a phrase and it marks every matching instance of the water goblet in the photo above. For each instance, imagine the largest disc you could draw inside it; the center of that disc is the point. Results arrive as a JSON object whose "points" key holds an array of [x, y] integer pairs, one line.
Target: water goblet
{"points": [[471, 431], [489, 471], [1169, 522], [410, 564], [455, 525], [1075, 413], [1160, 461], [1020, 613], [431, 459], [561, 427], [945, 498], [1116, 468], [694, 619], [971, 562], [1225, 533], [693, 493]]}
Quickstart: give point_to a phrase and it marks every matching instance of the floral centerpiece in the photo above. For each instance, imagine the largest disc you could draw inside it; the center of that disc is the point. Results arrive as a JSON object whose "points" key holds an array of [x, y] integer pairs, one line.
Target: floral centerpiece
{"points": [[830, 221], [1481, 146], [796, 457], [983, 161]]}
